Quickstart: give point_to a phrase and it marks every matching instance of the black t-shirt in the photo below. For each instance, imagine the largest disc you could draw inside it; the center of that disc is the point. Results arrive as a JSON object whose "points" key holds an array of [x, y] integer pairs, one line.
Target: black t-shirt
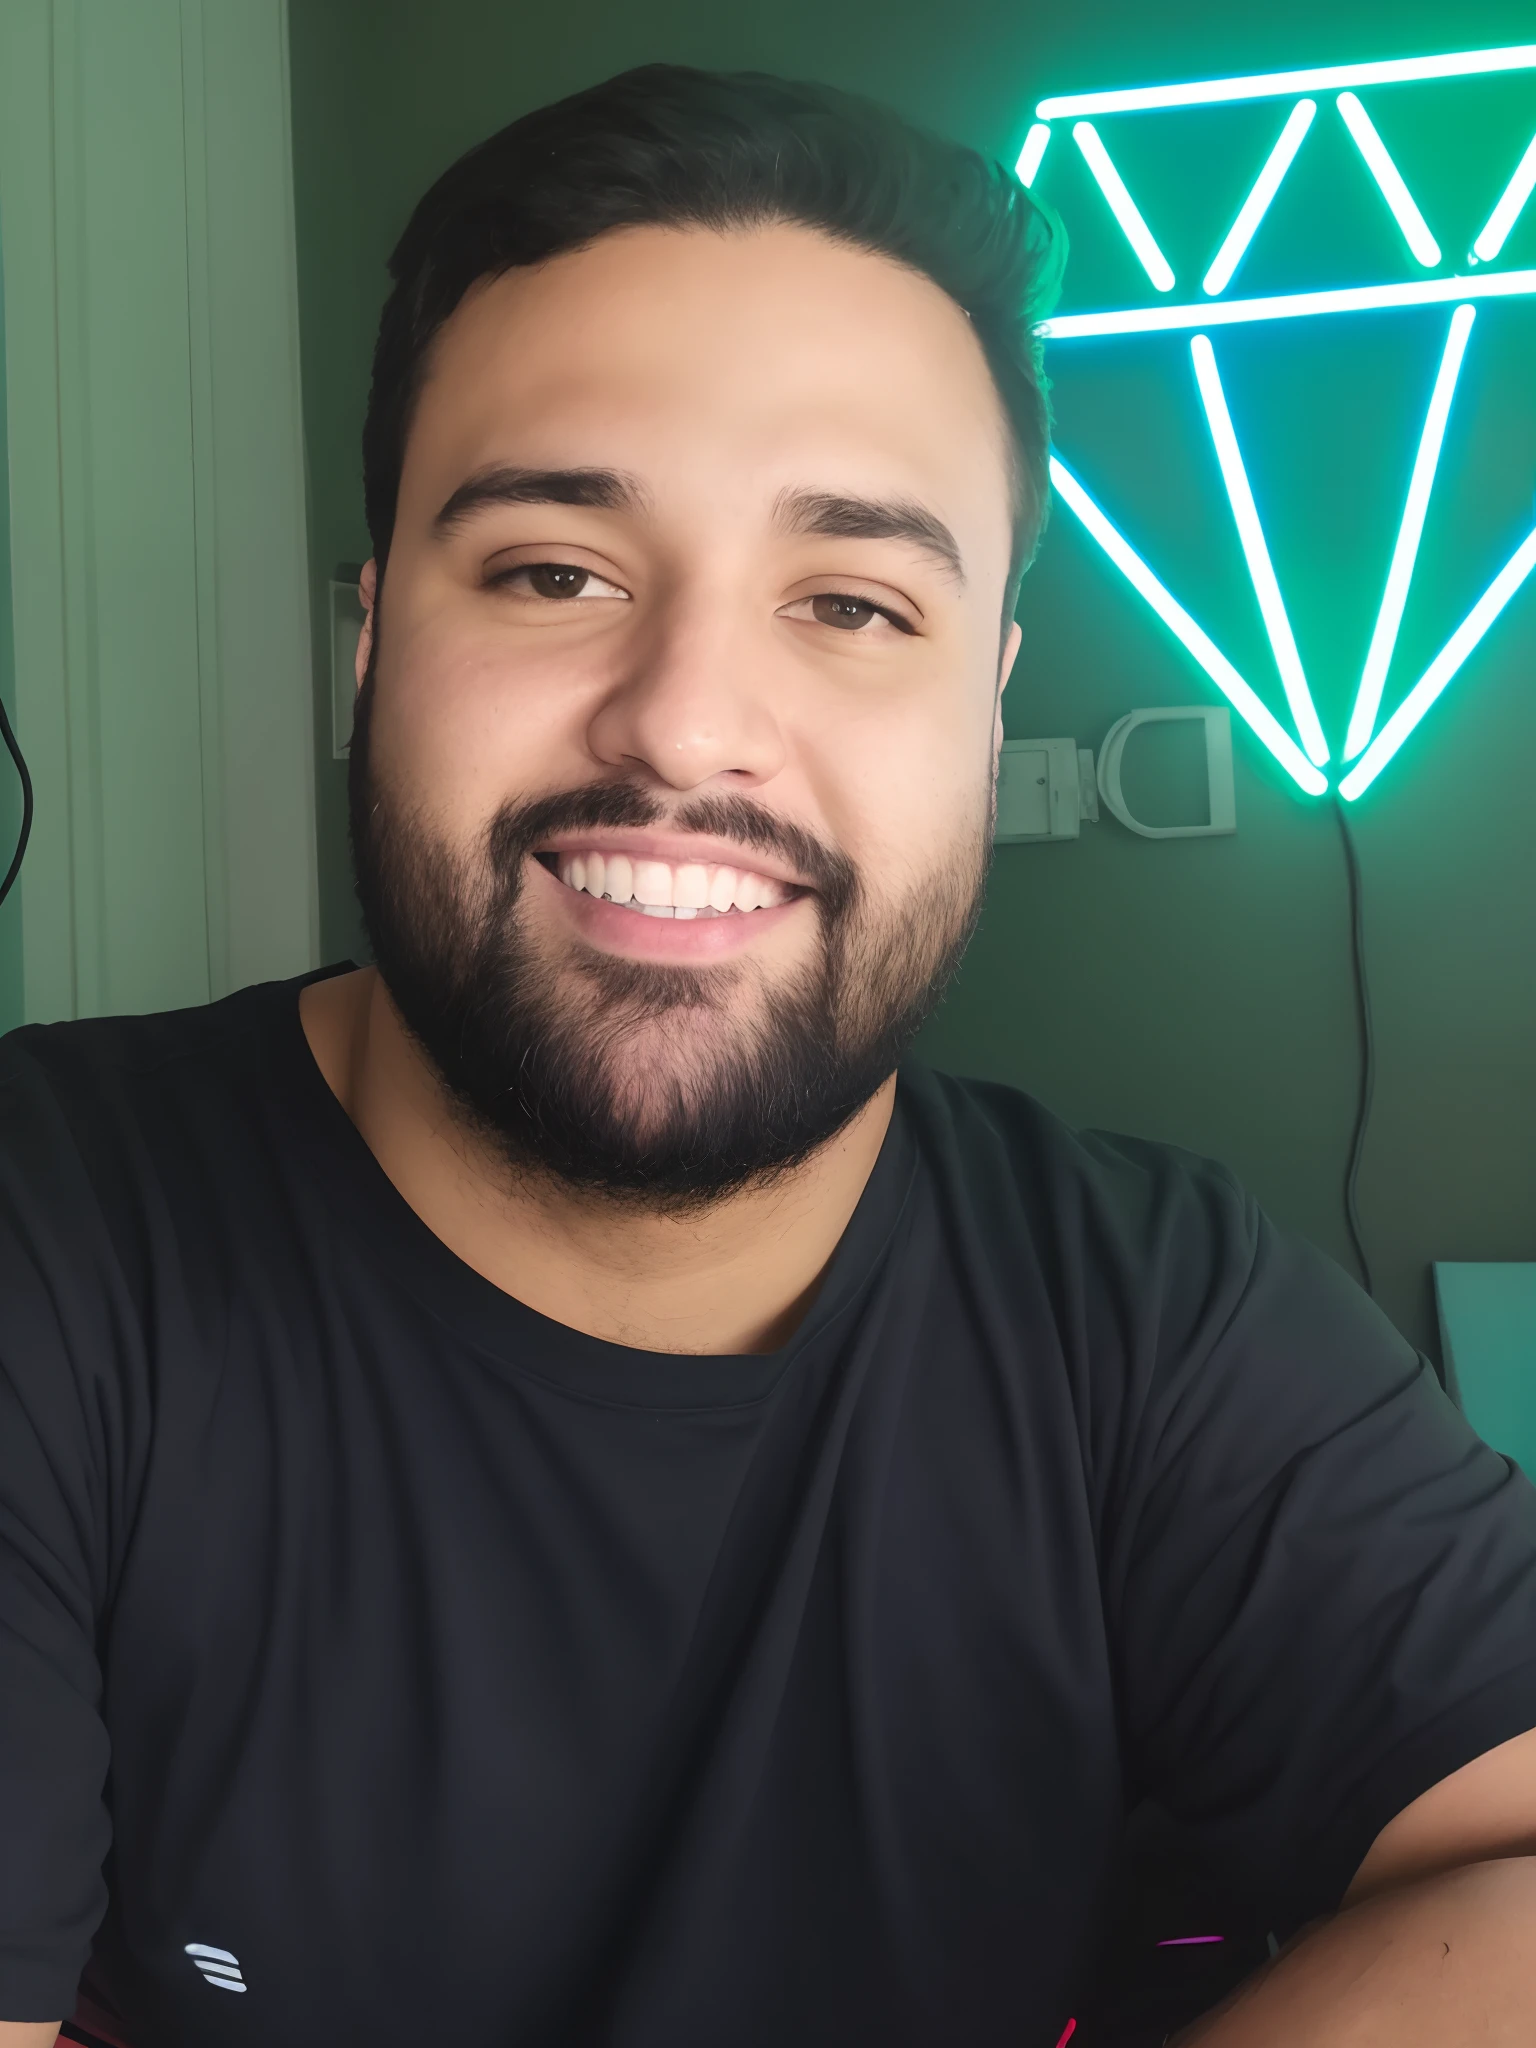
{"points": [[387, 1663]]}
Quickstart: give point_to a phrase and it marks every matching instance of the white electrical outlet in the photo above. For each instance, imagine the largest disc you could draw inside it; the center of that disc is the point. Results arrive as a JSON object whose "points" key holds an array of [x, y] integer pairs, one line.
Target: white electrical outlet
{"points": [[1045, 789]]}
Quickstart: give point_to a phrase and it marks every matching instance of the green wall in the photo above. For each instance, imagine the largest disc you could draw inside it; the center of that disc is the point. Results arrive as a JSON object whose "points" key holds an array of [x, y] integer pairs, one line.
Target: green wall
{"points": [[10, 793], [1194, 991], [159, 564]]}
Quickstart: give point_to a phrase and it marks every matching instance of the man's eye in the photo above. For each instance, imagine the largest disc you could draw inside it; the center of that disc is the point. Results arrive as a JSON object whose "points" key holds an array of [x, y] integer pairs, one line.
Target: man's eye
{"points": [[850, 614], [556, 580]]}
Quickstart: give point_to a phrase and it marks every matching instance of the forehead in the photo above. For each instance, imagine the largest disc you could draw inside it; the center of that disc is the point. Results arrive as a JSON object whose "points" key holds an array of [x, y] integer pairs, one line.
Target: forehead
{"points": [[738, 357]]}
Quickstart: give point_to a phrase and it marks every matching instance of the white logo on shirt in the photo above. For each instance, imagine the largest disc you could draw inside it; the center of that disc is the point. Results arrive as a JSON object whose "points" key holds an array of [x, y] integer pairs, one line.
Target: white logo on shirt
{"points": [[218, 1966]]}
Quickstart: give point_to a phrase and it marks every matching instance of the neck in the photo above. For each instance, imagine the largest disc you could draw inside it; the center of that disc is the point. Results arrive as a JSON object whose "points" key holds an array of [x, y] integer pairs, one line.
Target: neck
{"points": [[737, 1276]]}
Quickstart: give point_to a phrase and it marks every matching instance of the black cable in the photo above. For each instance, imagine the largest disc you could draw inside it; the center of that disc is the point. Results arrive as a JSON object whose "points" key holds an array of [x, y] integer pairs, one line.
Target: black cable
{"points": [[25, 833], [1367, 1046]]}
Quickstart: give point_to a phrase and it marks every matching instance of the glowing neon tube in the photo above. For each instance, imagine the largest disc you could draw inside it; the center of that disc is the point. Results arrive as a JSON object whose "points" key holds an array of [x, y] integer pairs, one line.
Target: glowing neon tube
{"points": [[1256, 205], [1123, 206], [1441, 670], [1507, 212], [1031, 154], [1261, 569], [1362, 719], [1425, 249], [1248, 706], [1266, 85], [1370, 298]]}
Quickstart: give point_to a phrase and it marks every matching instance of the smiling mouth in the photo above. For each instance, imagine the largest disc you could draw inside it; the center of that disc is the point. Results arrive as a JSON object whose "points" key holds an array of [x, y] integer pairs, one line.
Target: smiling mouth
{"points": [[676, 889]]}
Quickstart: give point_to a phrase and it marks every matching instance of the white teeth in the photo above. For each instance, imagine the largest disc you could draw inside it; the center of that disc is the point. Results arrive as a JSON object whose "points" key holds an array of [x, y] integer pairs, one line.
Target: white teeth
{"points": [[660, 890], [722, 889], [653, 883], [690, 886]]}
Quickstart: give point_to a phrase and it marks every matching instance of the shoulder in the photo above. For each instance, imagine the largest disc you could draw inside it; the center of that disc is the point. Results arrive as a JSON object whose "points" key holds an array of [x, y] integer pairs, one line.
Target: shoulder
{"points": [[1165, 1277], [101, 1118], [114, 1055], [105, 1077], [1099, 1194]]}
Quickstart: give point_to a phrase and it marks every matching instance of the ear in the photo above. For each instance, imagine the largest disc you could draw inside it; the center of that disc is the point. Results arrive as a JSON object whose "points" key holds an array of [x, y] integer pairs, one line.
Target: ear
{"points": [[1010, 654], [368, 591]]}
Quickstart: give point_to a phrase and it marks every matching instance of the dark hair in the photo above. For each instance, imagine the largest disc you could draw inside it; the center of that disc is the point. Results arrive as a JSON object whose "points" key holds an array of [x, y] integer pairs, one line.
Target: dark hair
{"points": [[668, 146]]}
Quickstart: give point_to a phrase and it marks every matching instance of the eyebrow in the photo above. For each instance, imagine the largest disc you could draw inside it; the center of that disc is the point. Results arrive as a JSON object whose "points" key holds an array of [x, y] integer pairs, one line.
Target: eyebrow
{"points": [[845, 518], [607, 489], [829, 513]]}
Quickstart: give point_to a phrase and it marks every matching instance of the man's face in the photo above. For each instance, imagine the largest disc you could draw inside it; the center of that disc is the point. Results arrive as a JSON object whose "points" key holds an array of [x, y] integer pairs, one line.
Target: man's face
{"points": [[672, 787]]}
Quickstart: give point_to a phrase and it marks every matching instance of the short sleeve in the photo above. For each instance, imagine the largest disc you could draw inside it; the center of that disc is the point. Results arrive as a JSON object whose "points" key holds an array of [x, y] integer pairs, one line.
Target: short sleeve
{"points": [[1320, 1583], [60, 1332]]}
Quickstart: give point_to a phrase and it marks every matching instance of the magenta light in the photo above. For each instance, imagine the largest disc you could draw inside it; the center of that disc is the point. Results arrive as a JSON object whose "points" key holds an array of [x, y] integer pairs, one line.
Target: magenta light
{"points": [[1066, 2037], [1189, 1940]]}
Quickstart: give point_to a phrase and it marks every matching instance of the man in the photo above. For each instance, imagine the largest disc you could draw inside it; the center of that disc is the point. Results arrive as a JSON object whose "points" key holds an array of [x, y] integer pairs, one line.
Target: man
{"points": [[546, 1495]]}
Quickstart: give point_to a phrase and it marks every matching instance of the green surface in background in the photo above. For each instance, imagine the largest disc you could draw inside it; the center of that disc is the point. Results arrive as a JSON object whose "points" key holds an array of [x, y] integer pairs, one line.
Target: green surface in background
{"points": [[1196, 991], [10, 790], [1488, 1332]]}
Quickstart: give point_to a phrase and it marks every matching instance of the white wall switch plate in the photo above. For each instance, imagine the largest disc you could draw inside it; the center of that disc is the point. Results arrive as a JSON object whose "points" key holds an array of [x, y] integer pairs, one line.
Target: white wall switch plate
{"points": [[1039, 791]]}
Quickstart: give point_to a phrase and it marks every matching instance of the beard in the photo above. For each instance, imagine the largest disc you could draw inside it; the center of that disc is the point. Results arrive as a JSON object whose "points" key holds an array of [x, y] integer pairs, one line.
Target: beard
{"points": [[658, 1086]]}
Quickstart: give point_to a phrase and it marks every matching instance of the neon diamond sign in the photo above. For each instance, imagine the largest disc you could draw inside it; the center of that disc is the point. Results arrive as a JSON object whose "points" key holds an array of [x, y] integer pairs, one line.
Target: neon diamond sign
{"points": [[1452, 296]]}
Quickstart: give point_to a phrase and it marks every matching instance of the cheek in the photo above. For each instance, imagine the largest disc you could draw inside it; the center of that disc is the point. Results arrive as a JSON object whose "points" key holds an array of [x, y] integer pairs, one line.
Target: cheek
{"points": [[460, 726], [907, 782]]}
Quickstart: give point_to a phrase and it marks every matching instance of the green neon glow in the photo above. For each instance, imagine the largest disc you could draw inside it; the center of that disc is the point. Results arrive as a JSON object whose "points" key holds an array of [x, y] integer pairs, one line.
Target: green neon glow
{"points": [[1507, 212], [1370, 298], [1424, 247], [1256, 205], [1256, 552], [1441, 669], [1123, 206], [1367, 750], [1031, 154], [1213, 92], [1378, 660], [1248, 706]]}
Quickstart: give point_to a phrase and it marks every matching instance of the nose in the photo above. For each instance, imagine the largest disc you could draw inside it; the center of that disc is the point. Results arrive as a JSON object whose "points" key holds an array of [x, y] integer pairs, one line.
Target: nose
{"points": [[694, 703]]}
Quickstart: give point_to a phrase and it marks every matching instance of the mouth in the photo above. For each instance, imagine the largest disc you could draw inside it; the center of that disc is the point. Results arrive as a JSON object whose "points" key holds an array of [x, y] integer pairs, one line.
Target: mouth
{"points": [[684, 891]]}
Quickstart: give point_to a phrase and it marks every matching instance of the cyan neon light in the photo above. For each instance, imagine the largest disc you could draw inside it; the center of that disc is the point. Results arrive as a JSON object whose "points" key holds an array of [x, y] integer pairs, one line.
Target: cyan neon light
{"points": [[1213, 92], [1422, 244], [1244, 701], [1032, 154], [1256, 553], [1123, 206], [1370, 742], [1362, 719], [1507, 212], [1370, 298], [1441, 670], [1256, 205]]}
